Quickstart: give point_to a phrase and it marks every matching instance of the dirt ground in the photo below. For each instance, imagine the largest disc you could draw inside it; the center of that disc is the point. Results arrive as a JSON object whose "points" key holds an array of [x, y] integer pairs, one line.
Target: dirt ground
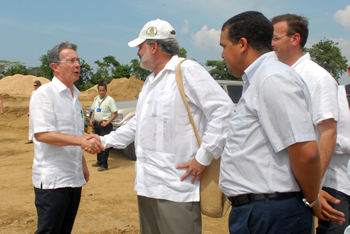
{"points": [[108, 203]]}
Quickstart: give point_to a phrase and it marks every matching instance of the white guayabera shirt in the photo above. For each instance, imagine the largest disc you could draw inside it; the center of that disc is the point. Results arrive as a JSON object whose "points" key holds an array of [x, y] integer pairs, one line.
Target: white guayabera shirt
{"points": [[164, 136], [52, 108]]}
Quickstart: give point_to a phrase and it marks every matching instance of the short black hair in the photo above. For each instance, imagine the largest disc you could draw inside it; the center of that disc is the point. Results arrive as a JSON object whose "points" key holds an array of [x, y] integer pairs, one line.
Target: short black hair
{"points": [[253, 26], [102, 84]]}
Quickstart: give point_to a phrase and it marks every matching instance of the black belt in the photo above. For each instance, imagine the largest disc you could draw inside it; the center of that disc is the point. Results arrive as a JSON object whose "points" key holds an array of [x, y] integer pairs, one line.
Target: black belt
{"points": [[99, 122], [248, 198]]}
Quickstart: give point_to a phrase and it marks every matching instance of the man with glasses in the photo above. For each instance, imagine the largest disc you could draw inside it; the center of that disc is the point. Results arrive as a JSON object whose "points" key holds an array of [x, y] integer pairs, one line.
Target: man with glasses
{"points": [[104, 112], [36, 85], [59, 168], [289, 38]]}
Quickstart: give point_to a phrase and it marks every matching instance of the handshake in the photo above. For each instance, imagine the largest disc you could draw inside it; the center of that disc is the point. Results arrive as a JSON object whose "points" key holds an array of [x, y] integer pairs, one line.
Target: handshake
{"points": [[92, 144]]}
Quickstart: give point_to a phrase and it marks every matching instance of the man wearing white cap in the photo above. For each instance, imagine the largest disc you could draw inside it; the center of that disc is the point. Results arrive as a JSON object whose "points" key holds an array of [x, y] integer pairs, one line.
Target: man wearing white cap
{"points": [[166, 147]]}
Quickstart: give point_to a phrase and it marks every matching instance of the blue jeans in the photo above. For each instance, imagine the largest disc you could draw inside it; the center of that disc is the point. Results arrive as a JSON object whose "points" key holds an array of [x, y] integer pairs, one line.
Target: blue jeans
{"points": [[283, 215]]}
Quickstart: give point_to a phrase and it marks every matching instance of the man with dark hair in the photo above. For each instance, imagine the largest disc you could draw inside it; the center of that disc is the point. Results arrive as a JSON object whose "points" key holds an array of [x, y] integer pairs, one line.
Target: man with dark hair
{"points": [[36, 85], [59, 168], [104, 112], [290, 36], [270, 167], [166, 147]]}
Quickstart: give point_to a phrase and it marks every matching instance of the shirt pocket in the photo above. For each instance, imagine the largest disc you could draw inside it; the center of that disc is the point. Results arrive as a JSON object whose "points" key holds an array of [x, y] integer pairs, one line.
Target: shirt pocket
{"points": [[240, 125], [163, 104]]}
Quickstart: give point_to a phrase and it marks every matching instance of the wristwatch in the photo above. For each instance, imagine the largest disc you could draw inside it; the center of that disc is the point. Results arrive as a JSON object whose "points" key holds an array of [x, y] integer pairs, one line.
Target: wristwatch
{"points": [[310, 205]]}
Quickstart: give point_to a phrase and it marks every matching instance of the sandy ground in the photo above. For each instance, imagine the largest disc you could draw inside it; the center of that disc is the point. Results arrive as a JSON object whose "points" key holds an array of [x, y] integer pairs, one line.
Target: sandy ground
{"points": [[108, 203]]}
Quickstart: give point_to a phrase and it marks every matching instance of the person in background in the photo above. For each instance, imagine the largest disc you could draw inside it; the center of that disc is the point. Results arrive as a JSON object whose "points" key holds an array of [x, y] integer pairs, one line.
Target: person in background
{"points": [[104, 112], [1, 106], [166, 147], [37, 84], [270, 167], [59, 168], [290, 36]]}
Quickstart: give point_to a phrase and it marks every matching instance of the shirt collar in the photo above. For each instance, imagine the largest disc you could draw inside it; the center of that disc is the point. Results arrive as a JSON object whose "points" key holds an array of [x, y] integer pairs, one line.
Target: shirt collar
{"points": [[171, 65], [302, 59], [249, 73], [61, 87]]}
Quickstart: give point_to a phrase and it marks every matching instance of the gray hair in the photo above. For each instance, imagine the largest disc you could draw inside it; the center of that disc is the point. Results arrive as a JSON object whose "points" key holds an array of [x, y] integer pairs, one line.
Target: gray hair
{"points": [[167, 46], [54, 54]]}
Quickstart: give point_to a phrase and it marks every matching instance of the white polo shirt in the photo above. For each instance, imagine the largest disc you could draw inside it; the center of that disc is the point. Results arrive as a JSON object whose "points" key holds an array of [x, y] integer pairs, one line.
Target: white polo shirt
{"points": [[52, 108], [272, 114], [164, 136]]}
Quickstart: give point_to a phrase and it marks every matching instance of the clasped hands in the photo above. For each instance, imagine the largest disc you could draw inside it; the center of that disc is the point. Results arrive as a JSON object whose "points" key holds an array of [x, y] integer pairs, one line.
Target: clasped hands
{"points": [[92, 144]]}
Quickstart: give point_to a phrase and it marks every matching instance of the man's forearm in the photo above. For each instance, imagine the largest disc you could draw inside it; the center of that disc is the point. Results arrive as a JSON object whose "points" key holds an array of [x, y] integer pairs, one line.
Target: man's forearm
{"points": [[305, 162], [59, 139], [115, 114], [326, 144]]}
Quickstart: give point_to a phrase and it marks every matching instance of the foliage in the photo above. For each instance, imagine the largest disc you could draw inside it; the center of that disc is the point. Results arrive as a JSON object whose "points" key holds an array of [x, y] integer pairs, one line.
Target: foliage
{"points": [[121, 71], [84, 81], [17, 69], [4, 65], [220, 71], [183, 53], [105, 70], [138, 71], [328, 55], [45, 66]]}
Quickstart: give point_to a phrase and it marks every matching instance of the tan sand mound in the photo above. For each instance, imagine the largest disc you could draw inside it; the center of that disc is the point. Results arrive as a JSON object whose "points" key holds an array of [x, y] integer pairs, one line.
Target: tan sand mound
{"points": [[121, 89], [20, 84]]}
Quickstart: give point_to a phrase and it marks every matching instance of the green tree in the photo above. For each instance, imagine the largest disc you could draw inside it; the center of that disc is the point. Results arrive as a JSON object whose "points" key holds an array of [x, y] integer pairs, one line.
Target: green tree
{"points": [[4, 64], [183, 53], [138, 71], [121, 71], [328, 55], [105, 70], [220, 70], [35, 71], [45, 67], [85, 75], [16, 69]]}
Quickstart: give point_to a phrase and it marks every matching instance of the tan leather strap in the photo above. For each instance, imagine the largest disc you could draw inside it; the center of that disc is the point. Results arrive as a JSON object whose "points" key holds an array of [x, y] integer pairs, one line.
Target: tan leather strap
{"points": [[178, 76]]}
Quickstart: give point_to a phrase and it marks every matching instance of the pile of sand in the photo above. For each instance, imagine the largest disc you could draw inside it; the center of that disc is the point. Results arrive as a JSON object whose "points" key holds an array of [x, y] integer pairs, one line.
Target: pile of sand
{"points": [[20, 84], [121, 89]]}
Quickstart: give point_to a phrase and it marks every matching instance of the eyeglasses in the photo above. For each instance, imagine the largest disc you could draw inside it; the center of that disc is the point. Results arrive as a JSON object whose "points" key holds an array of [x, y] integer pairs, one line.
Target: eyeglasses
{"points": [[276, 38], [73, 61], [35, 85]]}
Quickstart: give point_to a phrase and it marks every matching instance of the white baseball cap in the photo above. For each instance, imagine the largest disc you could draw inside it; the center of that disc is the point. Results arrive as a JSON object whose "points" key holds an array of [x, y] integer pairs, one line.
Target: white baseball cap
{"points": [[155, 29]]}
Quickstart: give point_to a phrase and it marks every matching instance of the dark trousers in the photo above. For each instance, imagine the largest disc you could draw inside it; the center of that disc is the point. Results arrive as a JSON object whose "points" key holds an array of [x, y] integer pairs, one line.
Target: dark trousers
{"points": [[56, 209], [283, 215], [344, 206], [102, 157]]}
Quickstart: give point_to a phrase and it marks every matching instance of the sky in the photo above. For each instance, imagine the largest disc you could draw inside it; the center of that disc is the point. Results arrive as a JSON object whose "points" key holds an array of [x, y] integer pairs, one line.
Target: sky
{"points": [[29, 29]]}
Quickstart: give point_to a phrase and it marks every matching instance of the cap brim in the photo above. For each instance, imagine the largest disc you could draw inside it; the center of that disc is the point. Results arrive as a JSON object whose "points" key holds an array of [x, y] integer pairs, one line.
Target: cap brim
{"points": [[136, 42]]}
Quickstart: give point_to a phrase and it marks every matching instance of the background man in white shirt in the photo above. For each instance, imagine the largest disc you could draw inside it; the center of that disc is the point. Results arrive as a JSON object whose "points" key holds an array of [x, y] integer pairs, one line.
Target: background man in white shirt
{"points": [[290, 36], [169, 200], [36, 85], [59, 168], [104, 112], [271, 152]]}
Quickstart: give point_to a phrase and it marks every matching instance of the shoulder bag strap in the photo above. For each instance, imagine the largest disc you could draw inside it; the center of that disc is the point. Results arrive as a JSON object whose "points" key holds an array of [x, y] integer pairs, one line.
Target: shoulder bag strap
{"points": [[178, 76]]}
